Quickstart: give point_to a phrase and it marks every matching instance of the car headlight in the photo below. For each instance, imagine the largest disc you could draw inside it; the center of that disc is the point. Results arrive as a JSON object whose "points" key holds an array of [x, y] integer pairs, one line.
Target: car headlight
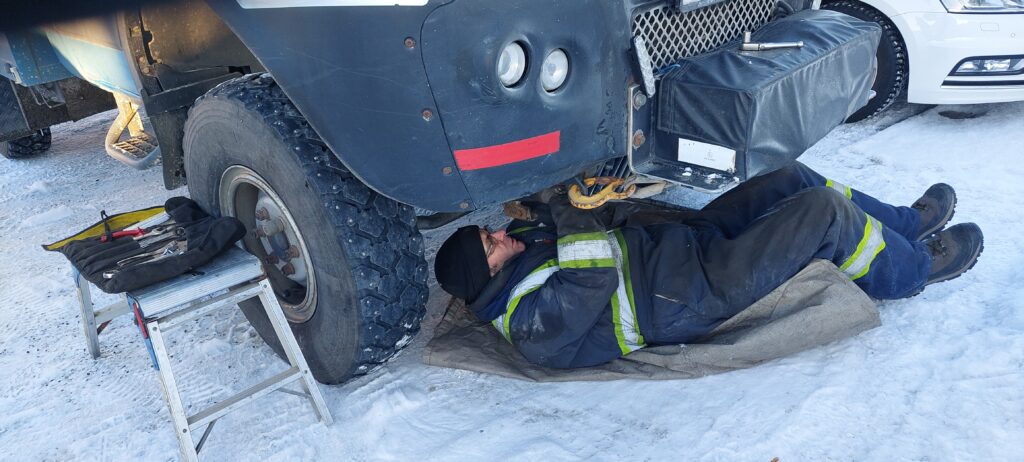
{"points": [[554, 70], [984, 6], [511, 64]]}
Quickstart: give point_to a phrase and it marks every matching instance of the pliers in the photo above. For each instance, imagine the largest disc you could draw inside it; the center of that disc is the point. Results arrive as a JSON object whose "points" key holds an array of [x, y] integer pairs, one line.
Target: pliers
{"points": [[139, 233], [173, 248], [171, 228], [127, 232]]}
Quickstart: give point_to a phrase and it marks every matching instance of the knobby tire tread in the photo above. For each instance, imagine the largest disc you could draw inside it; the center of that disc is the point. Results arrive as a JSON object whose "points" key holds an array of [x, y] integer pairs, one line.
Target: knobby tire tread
{"points": [[890, 35], [383, 246], [36, 143]]}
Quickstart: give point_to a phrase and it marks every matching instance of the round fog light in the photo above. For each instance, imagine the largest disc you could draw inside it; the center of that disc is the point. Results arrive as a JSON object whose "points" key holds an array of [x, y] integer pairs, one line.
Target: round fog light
{"points": [[511, 64], [554, 70]]}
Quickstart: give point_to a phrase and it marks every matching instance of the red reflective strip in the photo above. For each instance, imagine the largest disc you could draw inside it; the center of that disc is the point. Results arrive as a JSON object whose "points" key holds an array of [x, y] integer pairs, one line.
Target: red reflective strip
{"points": [[139, 321], [502, 154]]}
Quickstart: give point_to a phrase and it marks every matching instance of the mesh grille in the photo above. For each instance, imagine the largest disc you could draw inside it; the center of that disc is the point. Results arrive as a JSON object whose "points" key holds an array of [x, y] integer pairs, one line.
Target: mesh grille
{"points": [[671, 35]]}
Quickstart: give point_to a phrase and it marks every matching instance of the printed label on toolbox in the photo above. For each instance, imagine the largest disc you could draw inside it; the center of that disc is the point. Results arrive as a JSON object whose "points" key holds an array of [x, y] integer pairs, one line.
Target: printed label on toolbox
{"points": [[707, 155]]}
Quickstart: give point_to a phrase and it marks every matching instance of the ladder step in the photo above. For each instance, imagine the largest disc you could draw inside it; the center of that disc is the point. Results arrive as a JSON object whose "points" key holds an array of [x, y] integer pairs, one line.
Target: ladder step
{"points": [[233, 267], [138, 146], [111, 311], [203, 307], [243, 397]]}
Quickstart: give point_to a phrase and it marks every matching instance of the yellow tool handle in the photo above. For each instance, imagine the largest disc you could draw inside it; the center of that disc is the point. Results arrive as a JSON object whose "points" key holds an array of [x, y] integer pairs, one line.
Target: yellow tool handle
{"points": [[607, 193]]}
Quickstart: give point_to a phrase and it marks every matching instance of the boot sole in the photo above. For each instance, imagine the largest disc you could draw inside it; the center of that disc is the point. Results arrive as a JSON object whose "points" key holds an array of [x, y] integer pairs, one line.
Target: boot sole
{"points": [[941, 224], [966, 268]]}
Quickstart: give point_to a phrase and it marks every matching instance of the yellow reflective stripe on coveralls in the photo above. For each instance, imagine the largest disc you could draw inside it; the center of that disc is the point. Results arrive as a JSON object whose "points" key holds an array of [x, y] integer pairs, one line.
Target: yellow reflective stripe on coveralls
{"points": [[522, 229], [592, 250], [627, 330], [530, 283], [870, 245], [844, 189], [583, 250]]}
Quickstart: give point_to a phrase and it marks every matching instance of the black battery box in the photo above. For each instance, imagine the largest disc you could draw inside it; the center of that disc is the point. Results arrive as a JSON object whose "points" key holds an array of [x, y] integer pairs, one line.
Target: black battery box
{"points": [[770, 106]]}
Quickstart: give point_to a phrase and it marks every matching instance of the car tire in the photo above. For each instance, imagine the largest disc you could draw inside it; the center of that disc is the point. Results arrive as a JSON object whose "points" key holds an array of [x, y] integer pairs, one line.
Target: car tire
{"points": [[893, 63], [365, 288], [27, 146]]}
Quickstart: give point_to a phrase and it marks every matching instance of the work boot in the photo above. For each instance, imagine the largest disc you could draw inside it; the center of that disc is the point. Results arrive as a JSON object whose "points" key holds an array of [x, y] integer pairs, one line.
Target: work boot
{"points": [[954, 251], [935, 208]]}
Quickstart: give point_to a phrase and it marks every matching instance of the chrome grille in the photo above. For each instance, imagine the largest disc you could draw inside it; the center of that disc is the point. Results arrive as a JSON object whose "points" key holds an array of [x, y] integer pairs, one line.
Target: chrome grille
{"points": [[671, 35]]}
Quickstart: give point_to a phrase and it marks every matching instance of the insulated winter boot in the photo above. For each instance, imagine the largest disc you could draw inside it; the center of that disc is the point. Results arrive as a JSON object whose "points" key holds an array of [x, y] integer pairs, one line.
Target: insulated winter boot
{"points": [[954, 251], [935, 208]]}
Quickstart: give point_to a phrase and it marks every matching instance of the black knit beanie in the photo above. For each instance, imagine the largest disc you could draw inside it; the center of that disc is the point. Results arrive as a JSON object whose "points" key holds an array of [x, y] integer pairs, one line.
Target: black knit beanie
{"points": [[461, 264]]}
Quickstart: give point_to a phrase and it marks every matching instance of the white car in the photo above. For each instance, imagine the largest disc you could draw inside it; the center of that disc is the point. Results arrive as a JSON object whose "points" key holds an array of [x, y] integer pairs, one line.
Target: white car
{"points": [[944, 51]]}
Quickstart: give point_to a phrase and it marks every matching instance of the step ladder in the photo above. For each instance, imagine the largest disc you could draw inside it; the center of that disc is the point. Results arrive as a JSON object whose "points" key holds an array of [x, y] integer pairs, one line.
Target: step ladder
{"points": [[94, 320], [232, 277]]}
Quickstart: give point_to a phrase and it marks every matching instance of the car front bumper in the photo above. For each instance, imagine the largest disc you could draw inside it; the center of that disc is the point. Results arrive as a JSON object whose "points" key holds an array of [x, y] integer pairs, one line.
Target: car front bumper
{"points": [[938, 42]]}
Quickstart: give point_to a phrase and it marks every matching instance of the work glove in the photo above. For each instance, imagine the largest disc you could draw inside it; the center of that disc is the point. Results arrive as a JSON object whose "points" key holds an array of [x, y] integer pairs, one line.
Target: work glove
{"points": [[546, 196], [534, 208], [569, 219]]}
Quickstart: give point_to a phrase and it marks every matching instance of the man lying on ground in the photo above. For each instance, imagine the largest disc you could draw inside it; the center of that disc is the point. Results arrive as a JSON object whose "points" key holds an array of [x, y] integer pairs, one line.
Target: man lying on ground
{"points": [[567, 292]]}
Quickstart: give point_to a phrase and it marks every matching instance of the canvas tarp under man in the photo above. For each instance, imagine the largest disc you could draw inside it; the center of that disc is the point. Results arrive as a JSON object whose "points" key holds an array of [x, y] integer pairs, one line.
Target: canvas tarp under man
{"points": [[817, 306]]}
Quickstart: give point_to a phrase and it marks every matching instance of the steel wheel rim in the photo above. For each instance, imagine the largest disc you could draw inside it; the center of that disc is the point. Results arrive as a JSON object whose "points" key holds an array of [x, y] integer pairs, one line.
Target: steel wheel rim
{"points": [[240, 189]]}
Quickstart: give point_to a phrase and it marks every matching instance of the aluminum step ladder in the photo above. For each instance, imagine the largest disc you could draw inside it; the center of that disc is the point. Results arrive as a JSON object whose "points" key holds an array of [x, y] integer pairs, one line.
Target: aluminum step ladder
{"points": [[232, 277], [94, 319]]}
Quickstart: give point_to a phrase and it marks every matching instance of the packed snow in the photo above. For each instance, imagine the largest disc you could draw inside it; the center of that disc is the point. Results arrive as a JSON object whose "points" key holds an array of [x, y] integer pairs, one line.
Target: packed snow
{"points": [[941, 380]]}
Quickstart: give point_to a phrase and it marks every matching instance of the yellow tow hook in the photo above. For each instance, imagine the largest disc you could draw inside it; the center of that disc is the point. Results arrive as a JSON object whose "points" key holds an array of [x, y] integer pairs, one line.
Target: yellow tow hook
{"points": [[607, 192]]}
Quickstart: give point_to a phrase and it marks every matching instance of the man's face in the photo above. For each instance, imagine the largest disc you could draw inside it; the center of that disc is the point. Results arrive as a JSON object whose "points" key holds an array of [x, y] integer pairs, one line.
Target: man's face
{"points": [[499, 248]]}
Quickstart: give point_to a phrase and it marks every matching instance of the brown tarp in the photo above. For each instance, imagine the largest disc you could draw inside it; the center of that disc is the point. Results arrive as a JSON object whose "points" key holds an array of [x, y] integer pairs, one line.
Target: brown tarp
{"points": [[817, 306]]}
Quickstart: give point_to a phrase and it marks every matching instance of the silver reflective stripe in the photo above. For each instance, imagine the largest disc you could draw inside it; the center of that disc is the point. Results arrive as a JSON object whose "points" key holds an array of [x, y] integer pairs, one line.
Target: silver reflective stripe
{"points": [[256, 4], [529, 284], [535, 279], [858, 264], [627, 332], [584, 250], [842, 188]]}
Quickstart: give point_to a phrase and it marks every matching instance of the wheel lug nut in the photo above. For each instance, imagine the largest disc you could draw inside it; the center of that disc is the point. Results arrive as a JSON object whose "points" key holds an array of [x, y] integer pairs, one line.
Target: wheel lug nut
{"points": [[288, 270], [293, 252], [271, 227], [262, 214]]}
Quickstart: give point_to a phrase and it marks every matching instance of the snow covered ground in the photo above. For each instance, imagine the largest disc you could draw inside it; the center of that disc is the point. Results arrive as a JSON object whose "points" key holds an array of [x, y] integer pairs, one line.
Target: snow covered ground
{"points": [[941, 380]]}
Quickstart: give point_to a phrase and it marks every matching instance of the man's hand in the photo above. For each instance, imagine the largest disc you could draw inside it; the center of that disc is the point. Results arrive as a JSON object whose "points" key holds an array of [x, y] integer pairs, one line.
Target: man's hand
{"points": [[547, 195], [524, 209], [518, 211]]}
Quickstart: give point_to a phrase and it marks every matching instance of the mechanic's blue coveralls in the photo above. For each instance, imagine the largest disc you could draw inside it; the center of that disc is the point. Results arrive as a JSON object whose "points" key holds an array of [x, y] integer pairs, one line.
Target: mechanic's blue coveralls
{"points": [[580, 295]]}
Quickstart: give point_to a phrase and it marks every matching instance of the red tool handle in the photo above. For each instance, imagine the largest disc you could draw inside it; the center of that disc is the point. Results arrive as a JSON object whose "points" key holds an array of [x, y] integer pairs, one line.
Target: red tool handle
{"points": [[127, 232]]}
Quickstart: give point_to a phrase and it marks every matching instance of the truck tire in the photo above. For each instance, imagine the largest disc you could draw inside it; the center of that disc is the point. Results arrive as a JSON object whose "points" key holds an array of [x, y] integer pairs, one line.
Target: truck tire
{"points": [[356, 288], [26, 146], [893, 63]]}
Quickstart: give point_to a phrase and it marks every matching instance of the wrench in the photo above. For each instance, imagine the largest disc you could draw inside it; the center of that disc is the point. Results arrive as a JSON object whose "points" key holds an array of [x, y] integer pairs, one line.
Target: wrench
{"points": [[751, 46]]}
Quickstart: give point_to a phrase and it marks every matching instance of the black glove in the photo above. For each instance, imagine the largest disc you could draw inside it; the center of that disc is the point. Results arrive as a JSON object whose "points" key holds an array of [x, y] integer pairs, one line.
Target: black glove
{"points": [[571, 220]]}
